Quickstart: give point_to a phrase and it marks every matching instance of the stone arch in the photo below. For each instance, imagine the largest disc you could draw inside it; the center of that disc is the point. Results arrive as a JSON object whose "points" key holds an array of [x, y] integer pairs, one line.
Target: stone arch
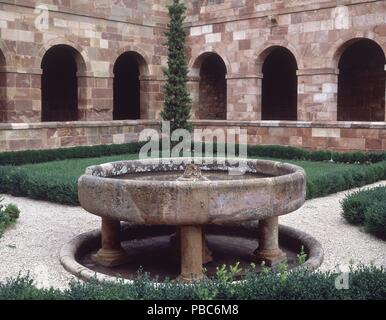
{"points": [[339, 46], [361, 80], [196, 62], [129, 97], [62, 65], [212, 87], [81, 56], [143, 59], [279, 84], [267, 50]]}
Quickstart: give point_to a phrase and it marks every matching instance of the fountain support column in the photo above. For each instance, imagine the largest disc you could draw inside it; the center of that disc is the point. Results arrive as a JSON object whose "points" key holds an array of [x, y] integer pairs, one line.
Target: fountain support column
{"points": [[191, 253], [268, 250], [111, 254]]}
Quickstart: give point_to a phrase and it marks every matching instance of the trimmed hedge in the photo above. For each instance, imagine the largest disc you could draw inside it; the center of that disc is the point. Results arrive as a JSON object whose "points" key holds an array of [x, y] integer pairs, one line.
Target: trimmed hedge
{"points": [[8, 215], [39, 156], [365, 283], [280, 152], [23, 182], [346, 179], [367, 208], [292, 153]]}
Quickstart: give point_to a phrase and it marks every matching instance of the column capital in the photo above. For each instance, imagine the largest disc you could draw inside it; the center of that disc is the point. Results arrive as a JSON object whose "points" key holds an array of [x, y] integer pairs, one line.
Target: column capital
{"points": [[20, 71], [151, 78], [90, 74], [237, 76], [317, 71]]}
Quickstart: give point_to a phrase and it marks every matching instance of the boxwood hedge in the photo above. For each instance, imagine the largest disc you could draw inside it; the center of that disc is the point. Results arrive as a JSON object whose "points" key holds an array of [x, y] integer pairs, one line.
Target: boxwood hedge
{"points": [[279, 152], [365, 283], [367, 208]]}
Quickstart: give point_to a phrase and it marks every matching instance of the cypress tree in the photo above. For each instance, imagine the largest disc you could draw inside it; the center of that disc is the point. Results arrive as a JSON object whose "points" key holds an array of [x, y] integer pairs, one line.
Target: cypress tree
{"points": [[177, 102]]}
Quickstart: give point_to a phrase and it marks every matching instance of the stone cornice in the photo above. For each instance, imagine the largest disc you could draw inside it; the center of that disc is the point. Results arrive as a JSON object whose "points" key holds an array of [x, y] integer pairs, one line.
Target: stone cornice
{"points": [[199, 123], [244, 76], [317, 71]]}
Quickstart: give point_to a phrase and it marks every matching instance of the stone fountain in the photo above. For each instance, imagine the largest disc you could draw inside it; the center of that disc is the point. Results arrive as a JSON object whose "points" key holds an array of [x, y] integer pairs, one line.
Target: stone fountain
{"points": [[178, 192]]}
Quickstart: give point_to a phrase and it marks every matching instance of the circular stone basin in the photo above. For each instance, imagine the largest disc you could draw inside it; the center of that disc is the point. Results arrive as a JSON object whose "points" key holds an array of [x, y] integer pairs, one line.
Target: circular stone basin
{"points": [[149, 192], [150, 249], [179, 192]]}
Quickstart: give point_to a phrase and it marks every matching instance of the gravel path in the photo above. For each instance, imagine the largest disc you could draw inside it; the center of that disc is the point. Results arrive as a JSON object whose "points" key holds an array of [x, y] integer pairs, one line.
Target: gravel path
{"points": [[34, 243]]}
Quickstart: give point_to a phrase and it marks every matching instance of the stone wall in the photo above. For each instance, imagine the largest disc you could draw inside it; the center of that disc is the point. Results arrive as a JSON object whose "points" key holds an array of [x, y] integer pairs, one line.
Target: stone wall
{"points": [[317, 33], [243, 33], [99, 31], [340, 136]]}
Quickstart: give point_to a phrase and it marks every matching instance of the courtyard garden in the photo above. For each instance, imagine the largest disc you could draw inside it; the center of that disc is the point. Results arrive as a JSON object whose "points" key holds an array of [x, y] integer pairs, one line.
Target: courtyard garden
{"points": [[52, 176], [129, 228]]}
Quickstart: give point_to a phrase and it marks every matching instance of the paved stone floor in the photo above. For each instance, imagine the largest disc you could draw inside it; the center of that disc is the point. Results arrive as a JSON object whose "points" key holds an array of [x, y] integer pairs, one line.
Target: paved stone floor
{"points": [[33, 245]]}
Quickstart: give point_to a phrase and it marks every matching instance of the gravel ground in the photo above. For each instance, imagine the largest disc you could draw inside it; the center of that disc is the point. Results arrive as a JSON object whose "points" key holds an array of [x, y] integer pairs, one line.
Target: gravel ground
{"points": [[34, 243]]}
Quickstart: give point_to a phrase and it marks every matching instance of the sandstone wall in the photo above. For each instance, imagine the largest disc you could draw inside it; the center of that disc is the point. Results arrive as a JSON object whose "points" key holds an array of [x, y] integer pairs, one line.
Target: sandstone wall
{"points": [[242, 32], [316, 32], [100, 31]]}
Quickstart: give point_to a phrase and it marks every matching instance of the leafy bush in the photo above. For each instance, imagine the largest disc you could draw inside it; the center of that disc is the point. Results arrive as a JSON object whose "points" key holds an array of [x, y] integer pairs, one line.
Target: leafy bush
{"points": [[365, 283], [280, 152], [8, 215], [39, 156], [375, 218], [368, 208], [346, 179]]}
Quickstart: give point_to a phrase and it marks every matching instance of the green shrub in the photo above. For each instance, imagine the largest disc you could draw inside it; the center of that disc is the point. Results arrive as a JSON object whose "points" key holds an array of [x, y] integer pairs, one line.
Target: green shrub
{"points": [[375, 218], [39, 156], [368, 208], [365, 283], [280, 152], [8, 215], [346, 179]]}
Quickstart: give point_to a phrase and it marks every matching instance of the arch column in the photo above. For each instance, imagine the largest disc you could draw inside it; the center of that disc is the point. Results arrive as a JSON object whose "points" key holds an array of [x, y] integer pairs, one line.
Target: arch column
{"points": [[317, 94], [151, 88], [20, 95], [95, 97], [244, 97], [194, 90]]}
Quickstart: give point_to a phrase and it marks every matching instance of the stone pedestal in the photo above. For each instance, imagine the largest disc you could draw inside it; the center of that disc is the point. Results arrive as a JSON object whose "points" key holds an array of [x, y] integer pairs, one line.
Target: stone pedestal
{"points": [[111, 254], [191, 253], [175, 242], [269, 251]]}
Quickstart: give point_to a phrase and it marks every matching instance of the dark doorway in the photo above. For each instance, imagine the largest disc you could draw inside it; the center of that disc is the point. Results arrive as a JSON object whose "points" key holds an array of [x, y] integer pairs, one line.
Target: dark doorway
{"points": [[280, 86], [127, 96], [361, 84], [60, 84], [213, 88]]}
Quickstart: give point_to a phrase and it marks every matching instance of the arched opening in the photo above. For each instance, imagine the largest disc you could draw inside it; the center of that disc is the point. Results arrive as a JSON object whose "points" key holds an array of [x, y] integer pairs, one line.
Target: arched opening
{"points": [[361, 84], [212, 88], [280, 85], [127, 88], [60, 65], [3, 89]]}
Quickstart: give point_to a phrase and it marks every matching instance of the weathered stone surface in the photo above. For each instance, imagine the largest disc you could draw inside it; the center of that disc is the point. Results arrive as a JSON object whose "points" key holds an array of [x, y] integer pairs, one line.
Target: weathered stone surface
{"points": [[242, 33], [185, 202]]}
